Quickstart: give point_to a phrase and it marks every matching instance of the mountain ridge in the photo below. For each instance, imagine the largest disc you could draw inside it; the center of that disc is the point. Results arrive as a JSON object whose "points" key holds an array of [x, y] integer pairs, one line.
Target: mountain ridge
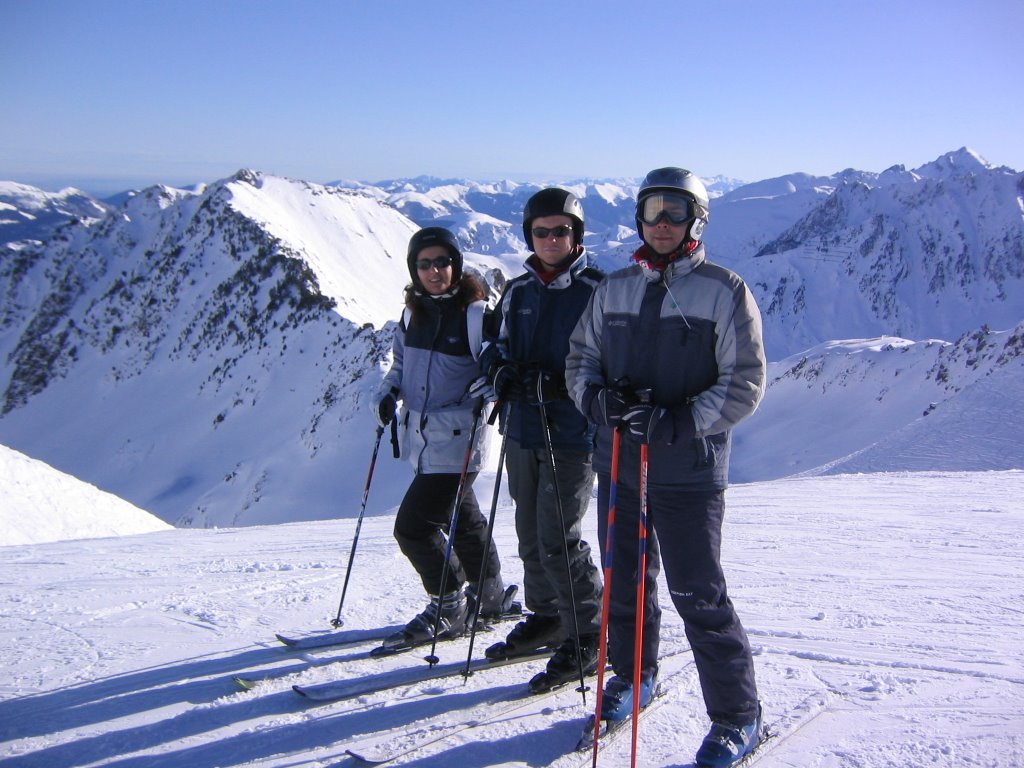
{"points": [[207, 354]]}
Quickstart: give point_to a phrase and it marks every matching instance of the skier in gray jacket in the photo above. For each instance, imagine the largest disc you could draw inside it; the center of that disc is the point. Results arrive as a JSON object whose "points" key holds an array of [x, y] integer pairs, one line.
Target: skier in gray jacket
{"points": [[435, 359], [669, 354]]}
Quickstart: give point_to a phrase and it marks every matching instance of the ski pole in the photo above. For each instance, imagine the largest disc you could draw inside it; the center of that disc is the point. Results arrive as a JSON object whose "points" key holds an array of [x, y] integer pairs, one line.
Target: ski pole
{"points": [[490, 533], [640, 583], [338, 621], [602, 654], [565, 545], [641, 573], [432, 659]]}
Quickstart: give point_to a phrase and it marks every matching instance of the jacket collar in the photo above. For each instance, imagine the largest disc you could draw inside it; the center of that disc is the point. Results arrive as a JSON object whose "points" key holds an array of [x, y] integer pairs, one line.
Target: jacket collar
{"points": [[562, 279]]}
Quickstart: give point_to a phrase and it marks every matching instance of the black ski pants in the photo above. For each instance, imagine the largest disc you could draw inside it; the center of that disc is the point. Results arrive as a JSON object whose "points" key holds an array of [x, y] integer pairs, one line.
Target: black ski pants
{"points": [[421, 527], [549, 586], [684, 528]]}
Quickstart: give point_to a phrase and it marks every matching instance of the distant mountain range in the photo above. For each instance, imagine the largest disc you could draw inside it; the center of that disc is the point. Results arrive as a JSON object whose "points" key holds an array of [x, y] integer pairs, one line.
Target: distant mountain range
{"points": [[206, 354]]}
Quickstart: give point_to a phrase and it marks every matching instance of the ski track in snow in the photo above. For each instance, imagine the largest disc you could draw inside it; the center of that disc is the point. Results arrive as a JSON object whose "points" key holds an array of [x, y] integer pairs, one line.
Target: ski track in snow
{"points": [[888, 606]]}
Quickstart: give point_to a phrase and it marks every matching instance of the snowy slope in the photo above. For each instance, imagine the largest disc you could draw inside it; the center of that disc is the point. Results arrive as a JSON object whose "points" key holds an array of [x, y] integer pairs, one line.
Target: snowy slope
{"points": [[890, 604], [39, 504], [888, 404]]}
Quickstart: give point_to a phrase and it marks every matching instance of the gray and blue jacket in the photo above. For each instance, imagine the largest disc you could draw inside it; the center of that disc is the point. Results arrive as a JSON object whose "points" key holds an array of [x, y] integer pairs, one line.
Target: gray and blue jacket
{"points": [[435, 354], [692, 335]]}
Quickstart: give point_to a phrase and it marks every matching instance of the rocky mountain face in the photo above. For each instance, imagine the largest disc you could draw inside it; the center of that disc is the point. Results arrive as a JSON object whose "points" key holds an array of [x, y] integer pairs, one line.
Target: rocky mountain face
{"points": [[185, 354], [208, 354]]}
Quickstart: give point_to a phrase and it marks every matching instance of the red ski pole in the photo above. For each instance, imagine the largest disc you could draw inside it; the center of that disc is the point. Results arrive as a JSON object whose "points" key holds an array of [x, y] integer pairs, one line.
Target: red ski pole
{"points": [[602, 654]]}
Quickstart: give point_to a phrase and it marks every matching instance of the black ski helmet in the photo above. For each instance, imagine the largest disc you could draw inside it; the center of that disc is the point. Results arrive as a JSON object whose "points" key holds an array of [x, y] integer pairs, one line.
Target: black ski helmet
{"points": [[553, 202], [427, 237], [679, 181]]}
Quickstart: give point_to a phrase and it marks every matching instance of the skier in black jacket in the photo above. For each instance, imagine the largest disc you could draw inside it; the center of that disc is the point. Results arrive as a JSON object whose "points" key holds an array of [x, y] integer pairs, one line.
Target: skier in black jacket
{"points": [[532, 323]]}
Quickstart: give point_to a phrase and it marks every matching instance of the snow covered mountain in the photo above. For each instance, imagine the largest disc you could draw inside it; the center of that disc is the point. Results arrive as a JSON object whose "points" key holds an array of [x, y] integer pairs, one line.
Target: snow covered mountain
{"points": [[206, 354], [27, 213], [39, 504]]}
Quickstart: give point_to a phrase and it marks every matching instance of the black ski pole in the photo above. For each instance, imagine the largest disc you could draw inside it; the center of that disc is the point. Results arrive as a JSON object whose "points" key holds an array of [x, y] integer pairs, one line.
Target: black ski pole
{"points": [[452, 523], [490, 534], [338, 621], [565, 545]]}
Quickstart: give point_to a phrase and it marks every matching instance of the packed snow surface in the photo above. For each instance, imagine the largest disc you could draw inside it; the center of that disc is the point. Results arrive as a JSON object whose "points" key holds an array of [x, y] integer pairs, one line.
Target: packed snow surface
{"points": [[885, 611]]}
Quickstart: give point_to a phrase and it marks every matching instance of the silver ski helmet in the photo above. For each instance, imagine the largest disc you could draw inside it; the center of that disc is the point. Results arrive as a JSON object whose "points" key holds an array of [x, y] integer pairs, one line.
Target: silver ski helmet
{"points": [[678, 182], [553, 202], [427, 237]]}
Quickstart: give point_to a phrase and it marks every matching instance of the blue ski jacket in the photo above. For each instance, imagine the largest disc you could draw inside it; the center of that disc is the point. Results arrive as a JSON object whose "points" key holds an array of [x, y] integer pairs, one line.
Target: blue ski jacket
{"points": [[533, 321]]}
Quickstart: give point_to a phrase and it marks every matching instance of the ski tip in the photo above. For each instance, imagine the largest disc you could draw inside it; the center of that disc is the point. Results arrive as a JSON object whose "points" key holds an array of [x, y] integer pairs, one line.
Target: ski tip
{"points": [[364, 759], [299, 690], [245, 683]]}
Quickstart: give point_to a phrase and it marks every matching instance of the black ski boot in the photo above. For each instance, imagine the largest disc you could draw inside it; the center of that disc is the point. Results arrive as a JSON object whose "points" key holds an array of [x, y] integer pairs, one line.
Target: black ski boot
{"points": [[496, 601], [420, 631], [527, 636], [564, 665]]}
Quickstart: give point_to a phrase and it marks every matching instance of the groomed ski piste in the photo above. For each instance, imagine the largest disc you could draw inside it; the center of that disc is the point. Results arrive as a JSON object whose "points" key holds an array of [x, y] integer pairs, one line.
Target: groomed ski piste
{"points": [[885, 612]]}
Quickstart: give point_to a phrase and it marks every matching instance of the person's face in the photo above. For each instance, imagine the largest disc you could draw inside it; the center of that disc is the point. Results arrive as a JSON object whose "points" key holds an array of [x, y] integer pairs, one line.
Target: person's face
{"points": [[664, 237], [552, 249], [436, 279]]}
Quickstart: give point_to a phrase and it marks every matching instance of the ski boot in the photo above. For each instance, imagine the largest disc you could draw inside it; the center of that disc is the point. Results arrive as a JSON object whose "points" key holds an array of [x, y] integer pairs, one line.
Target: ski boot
{"points": [[727, 743], [454, 614], [564, 665], [617, 700], [526, 637], [496, 602]]}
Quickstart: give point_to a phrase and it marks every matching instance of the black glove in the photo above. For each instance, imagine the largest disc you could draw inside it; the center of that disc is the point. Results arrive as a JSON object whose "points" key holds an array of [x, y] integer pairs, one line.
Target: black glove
{"points": [[543, 386], [507, 383], [605, 405], [648, 423], [386, 409]]}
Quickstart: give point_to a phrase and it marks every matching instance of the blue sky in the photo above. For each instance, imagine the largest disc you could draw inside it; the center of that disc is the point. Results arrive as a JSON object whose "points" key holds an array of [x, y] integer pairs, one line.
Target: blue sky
{"points": [[112, 94]]}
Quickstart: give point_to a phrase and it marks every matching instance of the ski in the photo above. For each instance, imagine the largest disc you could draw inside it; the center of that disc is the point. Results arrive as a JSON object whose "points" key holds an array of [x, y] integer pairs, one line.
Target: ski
{"points": [[362, 686], [324, 638], [610, 731], [781, 730], [380, 753]]}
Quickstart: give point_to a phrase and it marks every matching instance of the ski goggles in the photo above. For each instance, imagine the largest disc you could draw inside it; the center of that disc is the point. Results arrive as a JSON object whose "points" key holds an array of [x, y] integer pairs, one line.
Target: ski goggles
{"points": [[559, 231], [665, 205], [440, 262]]}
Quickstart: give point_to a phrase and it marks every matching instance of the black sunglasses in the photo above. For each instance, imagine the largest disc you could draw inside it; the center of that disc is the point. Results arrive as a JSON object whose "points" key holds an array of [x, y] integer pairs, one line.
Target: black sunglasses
{"points": [[440, 262], [560, 231]]}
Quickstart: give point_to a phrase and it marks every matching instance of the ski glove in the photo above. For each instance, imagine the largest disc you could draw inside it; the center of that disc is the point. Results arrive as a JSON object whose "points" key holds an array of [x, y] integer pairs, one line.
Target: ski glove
{"points": [[386, 409], [480, 387], [507, 383], [605, 405], [648, 423]]}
